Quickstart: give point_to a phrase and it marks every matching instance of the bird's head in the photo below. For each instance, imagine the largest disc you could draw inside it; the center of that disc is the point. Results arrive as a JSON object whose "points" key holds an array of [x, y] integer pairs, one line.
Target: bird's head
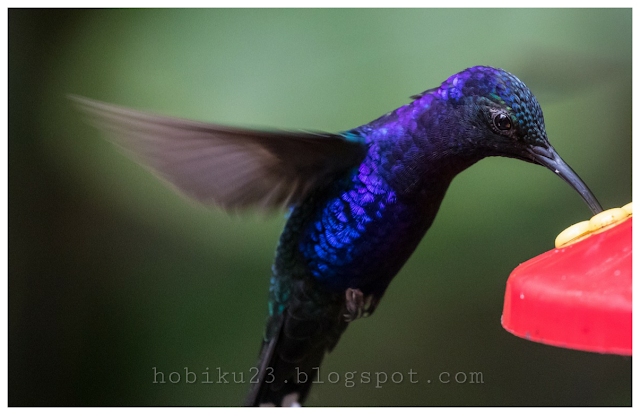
{"points": [[501, 117]]}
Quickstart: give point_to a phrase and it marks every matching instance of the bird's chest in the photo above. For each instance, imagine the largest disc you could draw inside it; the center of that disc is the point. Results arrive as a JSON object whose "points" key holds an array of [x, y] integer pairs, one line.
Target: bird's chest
{"points": [[360, 237]]}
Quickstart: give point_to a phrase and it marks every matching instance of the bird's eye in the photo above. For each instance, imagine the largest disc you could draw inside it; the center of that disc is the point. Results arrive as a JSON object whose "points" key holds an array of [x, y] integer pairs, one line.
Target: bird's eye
{"points": [[502, 121]]}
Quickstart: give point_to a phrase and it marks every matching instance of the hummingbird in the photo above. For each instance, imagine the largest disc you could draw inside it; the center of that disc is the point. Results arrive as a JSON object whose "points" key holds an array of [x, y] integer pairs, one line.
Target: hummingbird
{"points": [[359, 201]]}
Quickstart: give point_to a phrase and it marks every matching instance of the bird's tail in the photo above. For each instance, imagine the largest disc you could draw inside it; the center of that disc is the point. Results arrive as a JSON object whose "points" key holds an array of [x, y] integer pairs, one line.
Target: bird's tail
{"points": [[296, 342]]}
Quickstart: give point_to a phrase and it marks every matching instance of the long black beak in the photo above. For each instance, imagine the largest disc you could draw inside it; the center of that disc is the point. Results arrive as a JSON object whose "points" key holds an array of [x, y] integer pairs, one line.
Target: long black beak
{"points": [[549, 158]]}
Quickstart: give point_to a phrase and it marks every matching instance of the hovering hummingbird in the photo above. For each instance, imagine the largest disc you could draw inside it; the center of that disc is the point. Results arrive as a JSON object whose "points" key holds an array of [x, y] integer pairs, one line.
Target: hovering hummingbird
{"points": [[360, 201]]}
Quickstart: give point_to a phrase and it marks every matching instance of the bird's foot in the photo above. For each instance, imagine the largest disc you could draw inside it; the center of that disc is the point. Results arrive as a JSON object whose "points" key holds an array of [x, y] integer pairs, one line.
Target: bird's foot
{"points": [[358, 306]]}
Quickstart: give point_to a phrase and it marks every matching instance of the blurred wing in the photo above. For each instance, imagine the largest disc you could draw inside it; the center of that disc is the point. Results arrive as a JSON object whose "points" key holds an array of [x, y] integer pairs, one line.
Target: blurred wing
{"points": [[229, 167]]}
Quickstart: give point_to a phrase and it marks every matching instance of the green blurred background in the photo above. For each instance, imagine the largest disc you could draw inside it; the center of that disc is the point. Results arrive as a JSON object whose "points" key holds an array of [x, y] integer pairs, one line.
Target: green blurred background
{"points": [[112, 274]]}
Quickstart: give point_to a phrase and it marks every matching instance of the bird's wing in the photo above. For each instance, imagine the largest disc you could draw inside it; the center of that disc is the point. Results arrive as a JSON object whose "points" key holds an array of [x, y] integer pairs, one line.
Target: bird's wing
{"points": [[229, 167]]}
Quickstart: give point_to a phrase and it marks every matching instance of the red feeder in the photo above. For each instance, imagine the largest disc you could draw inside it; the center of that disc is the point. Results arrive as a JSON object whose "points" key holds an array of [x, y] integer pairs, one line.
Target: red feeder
{"points": [[577, 296]]}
